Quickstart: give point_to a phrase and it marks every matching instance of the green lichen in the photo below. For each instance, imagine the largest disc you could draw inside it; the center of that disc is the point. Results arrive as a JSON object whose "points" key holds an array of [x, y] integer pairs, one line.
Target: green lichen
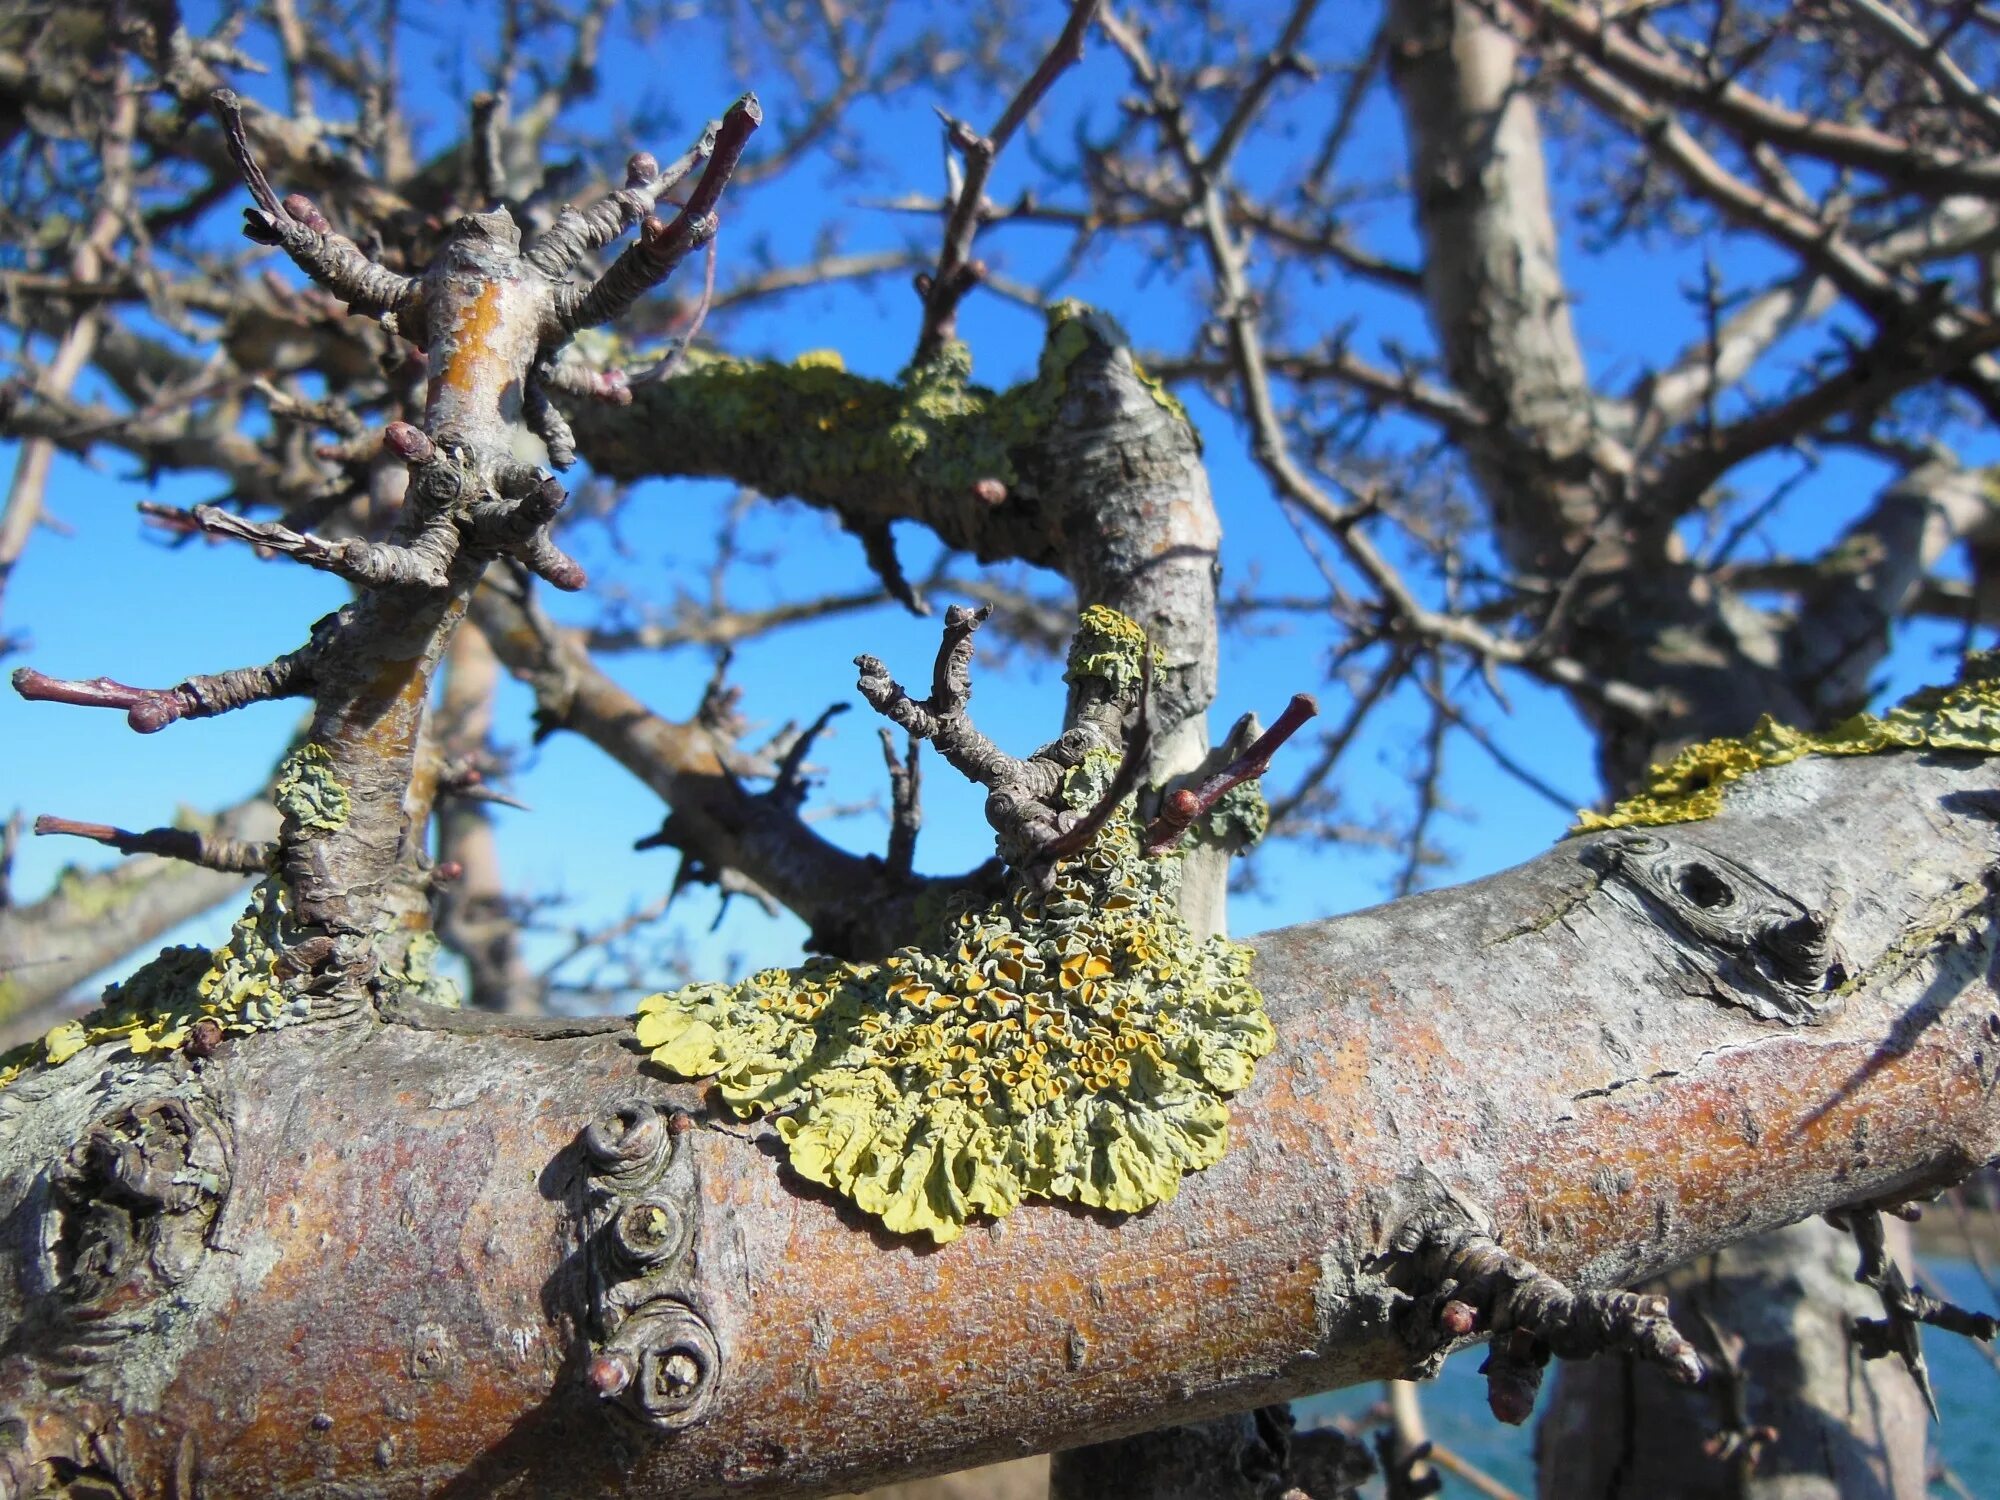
{"points": [[811, 428], [237, 985], [308, 793], [1072, 1040], [1239, 818], [1108, 645], [1965, 716], [418, 978], [1075, 1042]]}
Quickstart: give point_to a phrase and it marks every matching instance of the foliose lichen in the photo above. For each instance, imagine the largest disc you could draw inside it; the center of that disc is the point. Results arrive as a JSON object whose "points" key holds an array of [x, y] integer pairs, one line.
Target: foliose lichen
{"points": [[308, 792], [417, 978], [1689, 787], [1072, 1040], [237, 985], [1108, 645]]}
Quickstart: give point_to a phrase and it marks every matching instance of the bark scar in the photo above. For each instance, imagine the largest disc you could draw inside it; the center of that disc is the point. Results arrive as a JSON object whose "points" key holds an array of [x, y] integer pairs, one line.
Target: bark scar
{"points": [[1744, 941]]}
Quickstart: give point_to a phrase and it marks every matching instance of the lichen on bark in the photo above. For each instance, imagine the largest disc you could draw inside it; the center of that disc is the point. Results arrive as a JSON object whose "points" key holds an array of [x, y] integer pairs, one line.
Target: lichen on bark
{"points": [[1690, 786], [1074, 1039], [245, 985]]}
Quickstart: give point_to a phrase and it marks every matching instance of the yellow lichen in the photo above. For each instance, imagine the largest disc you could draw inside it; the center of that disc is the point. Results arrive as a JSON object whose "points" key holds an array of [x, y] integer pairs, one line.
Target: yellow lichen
{"points": [[1074, 1040], [237, 985], [1108, 645], [1965, 716], [308, 793]]}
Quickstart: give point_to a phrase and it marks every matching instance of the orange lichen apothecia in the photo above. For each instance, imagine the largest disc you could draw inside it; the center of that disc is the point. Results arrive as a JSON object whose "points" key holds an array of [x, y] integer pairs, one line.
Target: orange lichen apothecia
{"points": [[1073, 1040]]}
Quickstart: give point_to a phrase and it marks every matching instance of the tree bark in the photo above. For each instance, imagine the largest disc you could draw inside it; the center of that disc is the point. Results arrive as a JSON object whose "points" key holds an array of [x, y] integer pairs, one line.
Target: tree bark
{"points": [[365, 1255]]}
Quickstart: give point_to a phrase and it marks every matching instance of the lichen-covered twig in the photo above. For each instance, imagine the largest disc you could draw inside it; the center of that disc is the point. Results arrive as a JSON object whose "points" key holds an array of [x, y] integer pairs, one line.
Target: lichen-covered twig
{"points": [[1124, 782], [210, 851], [1475, 1286], [1905, 1307]]}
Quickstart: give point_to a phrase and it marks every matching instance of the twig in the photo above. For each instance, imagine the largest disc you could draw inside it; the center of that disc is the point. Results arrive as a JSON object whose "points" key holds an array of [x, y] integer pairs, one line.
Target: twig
{"points": [[1185, 807], [905, 803], [957, 272], [232, 856]]}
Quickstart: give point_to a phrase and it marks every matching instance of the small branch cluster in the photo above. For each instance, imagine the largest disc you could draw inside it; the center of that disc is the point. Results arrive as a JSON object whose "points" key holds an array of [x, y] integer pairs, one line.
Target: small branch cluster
{"points": [[1905, 1308], [1024, 804], [957, 272], [1477, 1287]]}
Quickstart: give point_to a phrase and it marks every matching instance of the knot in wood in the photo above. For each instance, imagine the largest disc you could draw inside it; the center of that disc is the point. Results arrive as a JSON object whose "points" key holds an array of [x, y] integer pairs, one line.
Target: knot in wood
{"points": [[654, 1355], [1745, 941], [628, 1144], [134, 1200]]}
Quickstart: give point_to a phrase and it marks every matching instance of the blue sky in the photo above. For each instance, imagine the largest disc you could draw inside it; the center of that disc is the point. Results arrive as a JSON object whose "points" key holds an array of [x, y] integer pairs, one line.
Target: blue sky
{"points": [[104, 596]]}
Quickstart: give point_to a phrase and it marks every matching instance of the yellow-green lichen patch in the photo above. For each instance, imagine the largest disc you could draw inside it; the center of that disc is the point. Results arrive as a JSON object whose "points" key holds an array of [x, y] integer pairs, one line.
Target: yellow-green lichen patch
{"points": [[237, 985], [418, 978], [1073, 1041], [1965, 716], [1108, 645], [307, 791]]}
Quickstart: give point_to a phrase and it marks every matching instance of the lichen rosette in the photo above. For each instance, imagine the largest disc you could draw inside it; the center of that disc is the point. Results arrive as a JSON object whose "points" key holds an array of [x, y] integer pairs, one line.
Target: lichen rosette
{"points": [[1075, 1040]]}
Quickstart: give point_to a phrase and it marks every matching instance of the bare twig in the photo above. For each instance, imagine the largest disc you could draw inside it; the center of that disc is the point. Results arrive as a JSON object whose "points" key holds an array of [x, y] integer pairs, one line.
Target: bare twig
{"points": [[957, 272]]}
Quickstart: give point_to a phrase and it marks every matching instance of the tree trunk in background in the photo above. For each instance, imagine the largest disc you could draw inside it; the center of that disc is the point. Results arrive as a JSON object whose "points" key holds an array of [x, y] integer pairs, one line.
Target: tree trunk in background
{"points": [[1551, 476], [1845, 1428]]}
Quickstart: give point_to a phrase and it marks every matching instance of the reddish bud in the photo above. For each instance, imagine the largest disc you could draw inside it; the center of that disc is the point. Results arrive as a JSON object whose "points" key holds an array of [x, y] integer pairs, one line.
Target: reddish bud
{"points": [[652, 230], [1512, 1403], [203, 1037], [679, 1122], [989, 492], [447, 872], [1458, 1318], [408, 443], [154, 712], [302, 208], [610, 1374], [641, 169]]}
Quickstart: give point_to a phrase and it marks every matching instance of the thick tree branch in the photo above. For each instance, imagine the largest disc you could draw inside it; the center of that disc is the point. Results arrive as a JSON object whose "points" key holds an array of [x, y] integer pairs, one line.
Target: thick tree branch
{"points": [[1543, 1060]]}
